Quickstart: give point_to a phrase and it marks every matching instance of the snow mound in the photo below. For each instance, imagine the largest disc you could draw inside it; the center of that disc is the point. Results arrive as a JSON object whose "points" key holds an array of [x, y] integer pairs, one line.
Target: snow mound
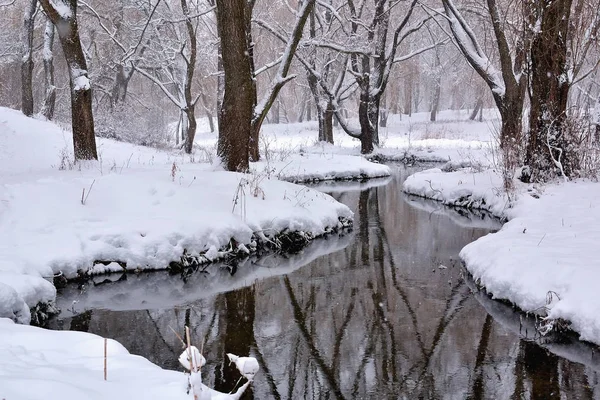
{"points": [[547, 251], [309, 167], [12, 306], [464, 187], [43, 364]]}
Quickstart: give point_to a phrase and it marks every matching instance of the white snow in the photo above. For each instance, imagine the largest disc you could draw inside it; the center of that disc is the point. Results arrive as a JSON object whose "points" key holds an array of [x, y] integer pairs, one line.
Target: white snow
{"points": [[142, 207], [248, 366], [150, 291], [81, 82], [544, 260], [466, 187], [308, 167], [43, 364], [548, 250], [452, 137], [62, 8]]}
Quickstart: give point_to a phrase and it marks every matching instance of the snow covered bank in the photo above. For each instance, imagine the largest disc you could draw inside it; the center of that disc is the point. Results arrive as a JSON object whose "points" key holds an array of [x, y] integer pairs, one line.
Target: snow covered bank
{"points": [[466, 187], [156, 291], [311, 167], [544, 259], [135, 209], [43, 364]]}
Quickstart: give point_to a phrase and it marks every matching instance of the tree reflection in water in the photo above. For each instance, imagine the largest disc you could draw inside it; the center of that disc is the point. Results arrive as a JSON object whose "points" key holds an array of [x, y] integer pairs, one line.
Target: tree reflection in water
{"points": [[389, 316]]}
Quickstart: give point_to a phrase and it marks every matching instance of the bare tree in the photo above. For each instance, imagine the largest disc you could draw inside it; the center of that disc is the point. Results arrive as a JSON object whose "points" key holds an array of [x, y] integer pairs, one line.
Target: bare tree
{"points": [[281, 77], [239, 99], [550, 84], [27, 60], [237, 108], [48, 105], [508, 85], [63, 14]]}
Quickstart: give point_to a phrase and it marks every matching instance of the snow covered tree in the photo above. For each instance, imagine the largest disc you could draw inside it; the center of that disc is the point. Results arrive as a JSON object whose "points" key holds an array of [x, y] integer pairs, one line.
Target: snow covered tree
{"points": [[27, 60], [238, 136], [48, 105], [550, 84], [282, 75], [508, 85], [63, 14]]}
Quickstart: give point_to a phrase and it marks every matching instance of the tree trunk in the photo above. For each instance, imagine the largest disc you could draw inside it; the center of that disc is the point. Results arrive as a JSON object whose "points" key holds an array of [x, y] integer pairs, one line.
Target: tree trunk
{"points": [[50, 97], [275, 113], [191, 129], [547, 147], [27, 60], [82, 119], [366, 131], [478, 106], [190, 65], [235, 115], [328, 123], [374, 118], [435, 103]]}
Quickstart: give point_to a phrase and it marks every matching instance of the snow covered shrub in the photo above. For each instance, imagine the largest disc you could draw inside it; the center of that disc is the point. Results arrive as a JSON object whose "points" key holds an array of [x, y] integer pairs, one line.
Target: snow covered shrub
{"points": [[66, 159]]}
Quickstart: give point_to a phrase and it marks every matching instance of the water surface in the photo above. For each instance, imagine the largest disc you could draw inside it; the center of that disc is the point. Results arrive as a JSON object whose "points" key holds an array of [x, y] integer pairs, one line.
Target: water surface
{"points": [[384, 312]]}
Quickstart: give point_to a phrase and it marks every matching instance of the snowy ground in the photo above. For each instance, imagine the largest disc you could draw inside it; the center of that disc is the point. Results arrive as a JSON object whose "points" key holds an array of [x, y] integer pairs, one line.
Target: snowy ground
{"points": [[544, 258], [42, 364], [452, 137]]}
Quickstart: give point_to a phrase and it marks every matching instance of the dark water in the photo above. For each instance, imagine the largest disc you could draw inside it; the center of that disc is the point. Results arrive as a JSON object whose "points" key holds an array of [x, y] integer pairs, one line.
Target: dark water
{"points": [[382, 313]]}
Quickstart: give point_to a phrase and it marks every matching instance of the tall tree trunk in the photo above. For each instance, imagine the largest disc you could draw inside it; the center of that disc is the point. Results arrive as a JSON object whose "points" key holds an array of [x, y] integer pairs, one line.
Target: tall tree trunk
{"points": [[235, 115], [187, 91], [366, 131], [547, 147], [50, 97], [435, 102], [383, 111], [478, 106], [328, 123], [82, 119], [27, 60], [220, 78], [275, 113]]}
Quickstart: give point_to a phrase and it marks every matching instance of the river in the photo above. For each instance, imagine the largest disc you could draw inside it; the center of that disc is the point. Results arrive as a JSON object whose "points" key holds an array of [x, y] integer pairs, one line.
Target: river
{"points": [[383, 312]]}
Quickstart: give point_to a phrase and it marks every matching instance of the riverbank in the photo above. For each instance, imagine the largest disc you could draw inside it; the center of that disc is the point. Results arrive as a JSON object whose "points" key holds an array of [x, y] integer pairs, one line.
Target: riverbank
{"points": [[543, 259], [139, 208]]}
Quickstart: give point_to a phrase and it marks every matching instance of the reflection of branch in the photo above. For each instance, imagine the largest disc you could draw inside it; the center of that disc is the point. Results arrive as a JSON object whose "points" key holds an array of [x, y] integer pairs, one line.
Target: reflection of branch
{"points": [[340, 335], [292, 372], [477, 391], [263, 366], [160, 334], [300, 320], [369, 350]]}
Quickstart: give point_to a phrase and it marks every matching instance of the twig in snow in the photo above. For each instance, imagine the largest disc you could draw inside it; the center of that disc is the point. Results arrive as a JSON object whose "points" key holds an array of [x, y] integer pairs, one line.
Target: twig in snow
{"points": [[541, 239], [84, 199]]}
